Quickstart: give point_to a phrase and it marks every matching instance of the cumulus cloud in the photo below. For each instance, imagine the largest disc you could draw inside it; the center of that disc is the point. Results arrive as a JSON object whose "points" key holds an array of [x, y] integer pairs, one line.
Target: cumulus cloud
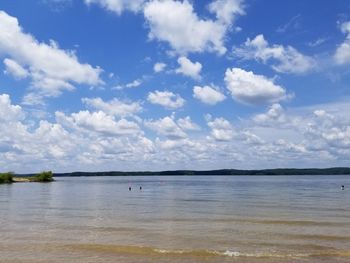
{"points": [[83, 141], [221, 129], [275, 114], [284, 59], [342, 54], [50, 68], [91, 141], [118, 6], [167, 127], [328, 134], [176, 23], [321, 129], [166, 99], [77, 141], [159, 67], [19, 145], [249, 88], [208, 95], [98, 122], [114, 106], [9, 112], [187, 124], [227, 10], [189, 68], [250, 138]]}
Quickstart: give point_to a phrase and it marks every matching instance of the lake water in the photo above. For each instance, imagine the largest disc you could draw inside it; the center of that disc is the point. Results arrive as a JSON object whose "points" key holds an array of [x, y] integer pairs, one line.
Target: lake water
{"points": [[177, 219]]}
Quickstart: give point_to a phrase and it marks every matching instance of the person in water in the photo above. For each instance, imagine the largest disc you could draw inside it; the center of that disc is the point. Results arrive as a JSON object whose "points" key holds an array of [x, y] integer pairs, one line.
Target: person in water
{"points": [[140, 188], [342, 187], [129, 188]]}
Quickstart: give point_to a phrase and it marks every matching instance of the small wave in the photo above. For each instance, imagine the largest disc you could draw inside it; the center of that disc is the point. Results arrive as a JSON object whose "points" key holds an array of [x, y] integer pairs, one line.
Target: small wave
{"points": [[227, 253], [150, 251], [230, 253], [165, 251]]}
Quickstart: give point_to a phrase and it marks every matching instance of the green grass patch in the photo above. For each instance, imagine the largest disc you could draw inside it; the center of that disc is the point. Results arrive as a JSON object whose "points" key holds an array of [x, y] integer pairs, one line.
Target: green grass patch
{"points": [[6, 178]]}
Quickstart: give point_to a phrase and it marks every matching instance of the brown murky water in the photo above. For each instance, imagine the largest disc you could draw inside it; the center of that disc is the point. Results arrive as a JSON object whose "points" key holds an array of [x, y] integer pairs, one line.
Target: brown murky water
{"points": [[177, 219]]}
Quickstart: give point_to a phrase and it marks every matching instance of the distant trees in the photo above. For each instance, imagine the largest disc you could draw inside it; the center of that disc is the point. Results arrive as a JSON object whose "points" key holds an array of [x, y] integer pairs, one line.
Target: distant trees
{"points": [[6, 178], [281, 171], [46, 176]]}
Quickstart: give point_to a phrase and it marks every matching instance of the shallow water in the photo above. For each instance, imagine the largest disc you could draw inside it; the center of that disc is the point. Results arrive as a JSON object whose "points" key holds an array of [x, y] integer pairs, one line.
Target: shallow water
{"points": [[177, 219]]}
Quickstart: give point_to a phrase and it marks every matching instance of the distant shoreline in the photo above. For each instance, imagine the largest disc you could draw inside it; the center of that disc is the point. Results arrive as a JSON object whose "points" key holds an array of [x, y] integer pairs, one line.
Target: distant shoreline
{"points": [[233, 172]]}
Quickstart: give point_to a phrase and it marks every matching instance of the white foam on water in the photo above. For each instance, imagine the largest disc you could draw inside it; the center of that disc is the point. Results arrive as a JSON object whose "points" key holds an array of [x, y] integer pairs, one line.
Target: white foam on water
{"points": [[165, 251], [231, 253]]}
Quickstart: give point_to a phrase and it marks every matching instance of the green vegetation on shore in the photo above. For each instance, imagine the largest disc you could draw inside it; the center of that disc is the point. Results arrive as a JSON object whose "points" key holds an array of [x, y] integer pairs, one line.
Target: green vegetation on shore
{"points": [[43, 177], [46, 176], [6, 178]]}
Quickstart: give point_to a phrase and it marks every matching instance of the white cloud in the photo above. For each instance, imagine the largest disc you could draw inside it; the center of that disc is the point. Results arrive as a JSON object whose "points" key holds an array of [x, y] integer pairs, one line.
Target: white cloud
{"points": [[118, 6], [250, 138], [79, 141], [208, 95], [284, 59], [159, 67], [187, 124], [221, 129], [189, 68], [15, 69], [176, 23], [249, 88], [185, 151], [17, 144], [134, 84], [9, 112], [226, 10], [167, 99], [342, 54], [166, 127], [114, 107], [93, 141], [323, 129], [56, 139], [328, 133], [275, 114], [98, 122], [84, 141], [51, 69]]}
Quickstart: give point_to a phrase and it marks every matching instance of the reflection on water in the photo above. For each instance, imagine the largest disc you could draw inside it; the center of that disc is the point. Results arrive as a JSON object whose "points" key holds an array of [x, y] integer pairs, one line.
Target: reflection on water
{"points": [[177, 219]]}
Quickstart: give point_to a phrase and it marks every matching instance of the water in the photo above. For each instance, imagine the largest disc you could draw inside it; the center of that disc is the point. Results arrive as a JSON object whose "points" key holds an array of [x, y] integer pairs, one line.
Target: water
{"points": [[177, 219]]}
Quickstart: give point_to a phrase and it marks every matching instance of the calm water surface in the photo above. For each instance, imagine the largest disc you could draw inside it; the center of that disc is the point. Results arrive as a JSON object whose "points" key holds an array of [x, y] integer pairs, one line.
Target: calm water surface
{"points": [[177, 219]]}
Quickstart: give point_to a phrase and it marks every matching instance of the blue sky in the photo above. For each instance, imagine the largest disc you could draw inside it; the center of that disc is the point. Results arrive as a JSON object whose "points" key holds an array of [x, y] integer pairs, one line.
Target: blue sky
{"points": [[95, 85]]}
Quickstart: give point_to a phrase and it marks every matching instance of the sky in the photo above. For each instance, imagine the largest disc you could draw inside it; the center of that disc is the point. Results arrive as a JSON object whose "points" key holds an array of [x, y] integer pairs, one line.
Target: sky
{"points": [[132, 85]]}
